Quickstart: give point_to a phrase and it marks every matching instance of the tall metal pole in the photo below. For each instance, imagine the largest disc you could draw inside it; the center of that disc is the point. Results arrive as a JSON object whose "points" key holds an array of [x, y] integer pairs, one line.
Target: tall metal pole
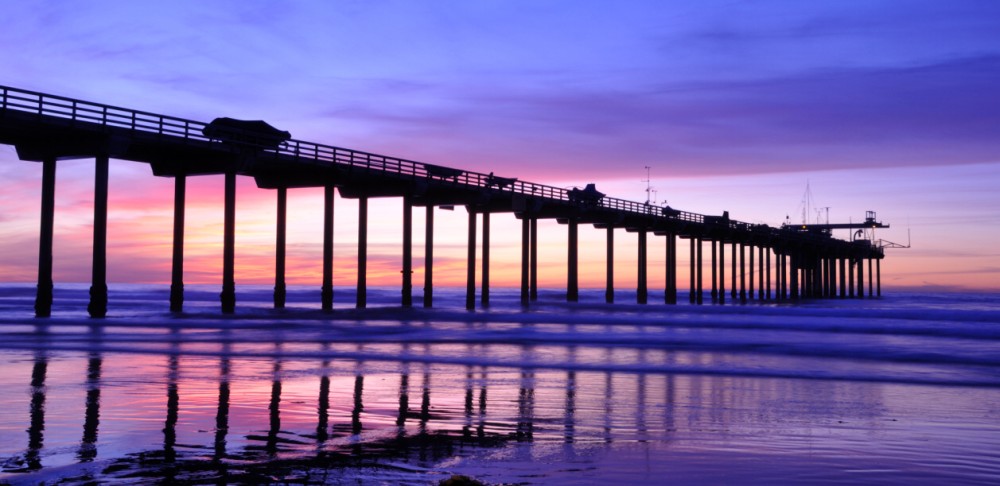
{"points": [[43, 297], [98, 306]]}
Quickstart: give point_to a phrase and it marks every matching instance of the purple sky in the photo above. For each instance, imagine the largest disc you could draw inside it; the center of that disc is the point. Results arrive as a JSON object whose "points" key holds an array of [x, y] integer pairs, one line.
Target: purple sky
{"points": [[892, 106]]}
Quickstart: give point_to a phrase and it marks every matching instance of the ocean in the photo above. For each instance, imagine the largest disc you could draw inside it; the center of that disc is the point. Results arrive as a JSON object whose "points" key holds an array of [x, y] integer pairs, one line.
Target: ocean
{"points": [[900, 389]]}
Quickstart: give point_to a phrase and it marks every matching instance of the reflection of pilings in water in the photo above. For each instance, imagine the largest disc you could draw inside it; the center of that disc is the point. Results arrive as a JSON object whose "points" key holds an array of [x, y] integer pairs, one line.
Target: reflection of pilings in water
{"points": [[526, 406], [608, 407], [88, 445], [359, 387], [569, 420], [404, 402], [481, 426], [173, 400], [323, 409], [469, 398], [640, 407], [274, 411], [36, 429], [222, 414], [425, 410]]}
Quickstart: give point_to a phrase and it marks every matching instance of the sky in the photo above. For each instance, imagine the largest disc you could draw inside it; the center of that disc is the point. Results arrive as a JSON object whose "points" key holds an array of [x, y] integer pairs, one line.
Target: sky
{"points": [[890, 106]]}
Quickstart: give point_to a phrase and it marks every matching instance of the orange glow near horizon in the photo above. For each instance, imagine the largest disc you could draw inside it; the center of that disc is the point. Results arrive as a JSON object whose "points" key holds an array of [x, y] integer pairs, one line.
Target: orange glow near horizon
{"points": [[141, 221]]}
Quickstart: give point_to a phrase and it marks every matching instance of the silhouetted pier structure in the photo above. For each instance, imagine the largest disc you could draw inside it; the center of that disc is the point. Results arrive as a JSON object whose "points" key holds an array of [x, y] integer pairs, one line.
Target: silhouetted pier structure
{"points": [[47, 128]]}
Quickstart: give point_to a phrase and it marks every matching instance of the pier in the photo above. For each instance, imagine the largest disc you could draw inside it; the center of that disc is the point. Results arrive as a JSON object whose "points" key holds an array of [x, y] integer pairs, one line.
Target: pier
{"points": [[788, 263]]}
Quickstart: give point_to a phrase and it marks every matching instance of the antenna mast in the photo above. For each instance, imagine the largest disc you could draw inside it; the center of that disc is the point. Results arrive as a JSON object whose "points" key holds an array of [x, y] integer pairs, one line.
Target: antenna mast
{"points": [[649, 189]]}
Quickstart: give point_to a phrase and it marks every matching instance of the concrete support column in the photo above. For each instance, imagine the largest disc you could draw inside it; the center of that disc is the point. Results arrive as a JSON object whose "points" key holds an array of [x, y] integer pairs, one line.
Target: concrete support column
{"points": [[43, 296], [326, 292], [722, 272], [715, 272], [698, 267], [670, 290], [429, 258], [733, 255], [870, 279], [98, 306], [750, 268], [407, 299], [767, 273], [743, 275], [878, 277], [362, 294], [850, 277], [485, 297], [760, 273], [525, 259], [177, 266], [609, 288], [843, 277], [793, 273], [642, 290], [534, 259], [572, 270], [693, 297], [861, 278], [470, 278], [228, 296], [279, 249]]}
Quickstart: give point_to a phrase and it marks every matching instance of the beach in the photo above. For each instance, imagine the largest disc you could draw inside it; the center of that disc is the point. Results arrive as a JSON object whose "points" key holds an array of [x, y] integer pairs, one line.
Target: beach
{"points": [[905, 388]]}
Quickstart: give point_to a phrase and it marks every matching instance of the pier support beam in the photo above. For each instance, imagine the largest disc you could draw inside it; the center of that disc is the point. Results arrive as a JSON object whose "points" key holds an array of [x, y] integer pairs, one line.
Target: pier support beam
{"points": [[177, 266], [326, 292], [43, 296], [609, 289], [228, 296], [98, 306], [670, 287], [525, 260], [407, 298], [361, 300], [470, 280], [429, 258], [485, 297], [861, 278], [534, 259], [642, 289], [793, 273], [572, 269], [750, 268], [733, 258], [279, 249], [850, 277], [715, 272], [767, 273], [871, 280], [843, 277], [760, 273], [743, 275], [722, 272], [692, 297], [699, 267], [878, 277]]}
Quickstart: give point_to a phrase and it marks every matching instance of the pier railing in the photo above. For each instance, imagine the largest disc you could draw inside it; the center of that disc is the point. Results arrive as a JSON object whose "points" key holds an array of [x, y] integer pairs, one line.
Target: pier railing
{"points": [[76, 111]]}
